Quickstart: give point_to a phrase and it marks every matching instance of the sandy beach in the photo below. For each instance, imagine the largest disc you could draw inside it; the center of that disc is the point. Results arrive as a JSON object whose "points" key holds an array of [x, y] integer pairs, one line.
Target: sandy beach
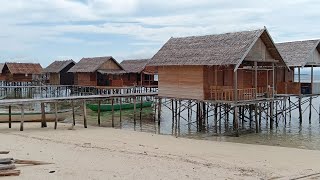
{"points": [[107, 153]]}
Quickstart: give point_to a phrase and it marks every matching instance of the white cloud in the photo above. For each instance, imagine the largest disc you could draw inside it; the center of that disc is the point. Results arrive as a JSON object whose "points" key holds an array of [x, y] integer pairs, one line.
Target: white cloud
{"points": [[26, 24]]}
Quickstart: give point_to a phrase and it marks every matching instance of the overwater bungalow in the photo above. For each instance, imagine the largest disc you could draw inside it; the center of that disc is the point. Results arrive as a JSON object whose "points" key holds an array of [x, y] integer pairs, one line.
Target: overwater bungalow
{"points": [[225, 67], [57, 72], [138, 73], [22, 72], [297, 55], [98, 71]]}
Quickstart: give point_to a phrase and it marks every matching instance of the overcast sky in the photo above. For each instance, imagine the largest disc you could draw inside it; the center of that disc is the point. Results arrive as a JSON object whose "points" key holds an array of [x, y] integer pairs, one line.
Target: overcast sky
{"points": [[47, 30]]}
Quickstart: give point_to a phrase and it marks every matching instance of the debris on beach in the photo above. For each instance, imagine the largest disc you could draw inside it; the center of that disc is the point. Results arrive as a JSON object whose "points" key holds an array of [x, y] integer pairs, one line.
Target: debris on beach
{"points": [[8, 165]]}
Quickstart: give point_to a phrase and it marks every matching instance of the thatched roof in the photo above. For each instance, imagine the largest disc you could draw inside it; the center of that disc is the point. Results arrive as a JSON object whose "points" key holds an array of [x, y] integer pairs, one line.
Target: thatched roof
{"points": [[134, 66], [298, 53], [112, 71], [1, 67], [58, 66], [24, 68], [91, 64], [221, 49]]}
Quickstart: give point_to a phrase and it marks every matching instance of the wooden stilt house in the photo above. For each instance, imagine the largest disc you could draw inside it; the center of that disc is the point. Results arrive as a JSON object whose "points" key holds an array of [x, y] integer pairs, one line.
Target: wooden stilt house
{"points": [[98, 71], [297, 55], [22, 72], [225, 67], [58, 74], [138, 73]]}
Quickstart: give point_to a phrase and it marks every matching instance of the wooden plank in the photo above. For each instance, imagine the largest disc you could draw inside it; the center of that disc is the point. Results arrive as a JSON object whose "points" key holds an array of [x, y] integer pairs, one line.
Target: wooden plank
{"points": [[84, 114], [7, 167], [99, 112], [43, 115], [56, 115], [22, 118], [10, 117], [10, 172]]}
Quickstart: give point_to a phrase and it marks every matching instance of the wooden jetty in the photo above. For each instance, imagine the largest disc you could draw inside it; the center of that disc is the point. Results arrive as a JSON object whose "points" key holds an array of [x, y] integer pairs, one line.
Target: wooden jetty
{"points": [[72, 99]]}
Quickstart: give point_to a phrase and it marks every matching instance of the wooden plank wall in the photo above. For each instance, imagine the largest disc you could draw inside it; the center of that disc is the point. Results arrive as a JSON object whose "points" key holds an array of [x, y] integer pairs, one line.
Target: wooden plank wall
{"points": [[54, 79], [86, 79], [181, 81], [132, 81]]}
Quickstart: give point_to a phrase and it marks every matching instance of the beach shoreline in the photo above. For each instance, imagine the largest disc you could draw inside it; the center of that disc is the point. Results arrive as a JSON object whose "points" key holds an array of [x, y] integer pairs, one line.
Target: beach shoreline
{"points": [[107, 153]]}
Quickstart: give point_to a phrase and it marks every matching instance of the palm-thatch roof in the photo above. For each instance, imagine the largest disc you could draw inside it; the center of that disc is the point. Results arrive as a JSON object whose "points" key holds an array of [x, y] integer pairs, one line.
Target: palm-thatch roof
{"points": [[134, 66], [221, 49], [58, 66], [87, 65], [1, 67], [298, 53], [24, 68]]}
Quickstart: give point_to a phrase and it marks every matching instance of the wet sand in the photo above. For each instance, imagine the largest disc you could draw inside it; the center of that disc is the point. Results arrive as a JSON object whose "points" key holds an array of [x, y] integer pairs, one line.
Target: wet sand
{"points": [[107, 153]]}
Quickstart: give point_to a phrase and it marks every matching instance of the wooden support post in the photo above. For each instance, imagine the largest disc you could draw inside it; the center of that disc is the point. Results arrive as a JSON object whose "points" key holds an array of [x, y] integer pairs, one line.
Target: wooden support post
{"points": [[112, 106], [250, 116], [179, 116], [271, 114], [235, 86], [289, 109], [141, 108], [120, 112], [73, 114], [22, 117], [216, 117], [56, 115], [159, 110], [43, 115], [155, 109], [99, 112], [84, 114], [134, 109], [276, 113], [256, 117], [255, 78], [10, 116]]}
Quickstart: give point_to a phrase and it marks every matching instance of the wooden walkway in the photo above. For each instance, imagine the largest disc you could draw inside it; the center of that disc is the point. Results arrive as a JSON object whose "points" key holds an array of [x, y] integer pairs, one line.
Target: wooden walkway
{"points": [[22, 102]]}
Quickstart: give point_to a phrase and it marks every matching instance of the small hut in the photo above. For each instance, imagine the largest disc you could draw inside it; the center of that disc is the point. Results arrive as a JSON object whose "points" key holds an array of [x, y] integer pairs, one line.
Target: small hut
{"points": [[58, 74], [300, 54], [138, 73], [22, 72], [98, 71], [225, 67]]}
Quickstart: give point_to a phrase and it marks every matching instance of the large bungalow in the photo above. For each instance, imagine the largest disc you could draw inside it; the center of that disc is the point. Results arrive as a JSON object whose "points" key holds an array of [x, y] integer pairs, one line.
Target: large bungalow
{"points": [[98, 71], [297, 55], [228, 67], [22, 72], [138, 73], [58, 74]]}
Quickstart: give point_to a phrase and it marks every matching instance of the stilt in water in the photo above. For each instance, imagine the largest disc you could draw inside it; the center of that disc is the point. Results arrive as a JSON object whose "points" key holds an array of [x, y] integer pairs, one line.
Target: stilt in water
{"points": [[256, 117], [271, 115], [300, 110], [310, 110], [159, 110]]}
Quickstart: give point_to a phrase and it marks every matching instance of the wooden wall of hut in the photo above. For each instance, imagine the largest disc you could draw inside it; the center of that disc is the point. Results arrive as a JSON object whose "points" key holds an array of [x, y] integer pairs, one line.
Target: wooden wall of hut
{"points": [[181, 81], [66, 78], [54, 79], [131, 79], [85, 79]]}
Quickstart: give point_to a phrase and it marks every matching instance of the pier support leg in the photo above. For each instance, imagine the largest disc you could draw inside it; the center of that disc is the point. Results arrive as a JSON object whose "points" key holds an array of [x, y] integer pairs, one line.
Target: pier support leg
{"points": [[84, 114], [73, 114], [112, 106], [56, 115], [99, 112], [22, 118], [10, 117], [43, 116]]}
